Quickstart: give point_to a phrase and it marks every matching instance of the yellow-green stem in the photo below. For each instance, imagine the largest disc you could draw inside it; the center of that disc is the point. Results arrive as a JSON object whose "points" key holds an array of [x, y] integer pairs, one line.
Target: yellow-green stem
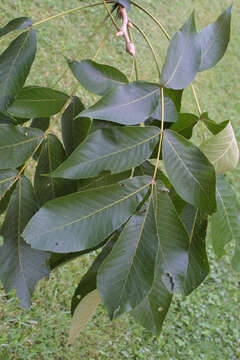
{"points": [[110, 14], [160, 139]]}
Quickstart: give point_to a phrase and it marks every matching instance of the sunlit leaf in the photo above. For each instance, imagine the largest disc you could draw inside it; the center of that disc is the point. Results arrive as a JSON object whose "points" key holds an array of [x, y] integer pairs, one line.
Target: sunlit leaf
{"points": [[222, 150]]}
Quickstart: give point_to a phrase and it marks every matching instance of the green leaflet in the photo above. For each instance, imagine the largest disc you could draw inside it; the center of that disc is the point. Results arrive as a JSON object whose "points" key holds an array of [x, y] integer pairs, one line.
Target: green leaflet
{"points": [[198, 268], [82, 220], [15, 24], [17, 145], [214, 40], [128, 104], [97, 78], [183, 57], [35, 101], [126, 275], [51, 155], [225, 222], [190, 172], [15, 64], [21, 267], [6, 179], [113, 149], [222, 150], [185, 124]]}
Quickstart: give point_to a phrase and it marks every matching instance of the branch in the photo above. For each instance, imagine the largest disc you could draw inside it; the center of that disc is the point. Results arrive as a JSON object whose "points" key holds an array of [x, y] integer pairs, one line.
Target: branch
{"points": [[130, 48]]}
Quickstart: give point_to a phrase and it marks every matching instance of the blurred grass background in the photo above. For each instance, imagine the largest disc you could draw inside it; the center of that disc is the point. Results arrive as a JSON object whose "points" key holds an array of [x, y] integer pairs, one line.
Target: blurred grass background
{"points": [[205, 325]]}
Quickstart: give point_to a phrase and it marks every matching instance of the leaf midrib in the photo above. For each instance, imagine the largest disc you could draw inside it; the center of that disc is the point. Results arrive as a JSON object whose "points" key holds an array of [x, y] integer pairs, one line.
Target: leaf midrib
{"points": [[95, 212]]}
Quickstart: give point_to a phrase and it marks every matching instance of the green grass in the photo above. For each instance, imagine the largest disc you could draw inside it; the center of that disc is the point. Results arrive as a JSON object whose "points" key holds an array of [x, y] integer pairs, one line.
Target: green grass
{"points": [[205, 325]]}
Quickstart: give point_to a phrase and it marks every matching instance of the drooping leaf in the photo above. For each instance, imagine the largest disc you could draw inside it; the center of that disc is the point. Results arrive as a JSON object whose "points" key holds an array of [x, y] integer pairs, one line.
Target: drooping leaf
{"points": [[151, 312], [222, 150], [183, 57], [97, 78], [126, 276], [35, 101], [17, 145], [198, 268], [190, 172], [15, 64], [214, 40], [82, 220], [46, 187], [15, 24], [185, 124], [6, 179], [173, 240], [226, 221], [21, 267], [128, 104], [89, 281], [83, 314], [74, 130], [114, 149]]}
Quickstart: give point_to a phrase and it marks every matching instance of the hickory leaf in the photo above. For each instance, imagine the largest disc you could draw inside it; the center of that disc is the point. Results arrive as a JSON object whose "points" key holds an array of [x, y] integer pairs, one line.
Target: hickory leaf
{"points": [[183, 57], [21, 267], [214, 40], [190, 172], [17, 145], [82, 220], [15, 64], [222, 150], [97, 78], [122, 290], [114, 149]]}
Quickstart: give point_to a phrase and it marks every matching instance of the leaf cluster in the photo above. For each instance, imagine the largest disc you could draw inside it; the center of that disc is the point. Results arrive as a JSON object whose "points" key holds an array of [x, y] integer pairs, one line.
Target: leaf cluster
{"points": [[124, 178]]}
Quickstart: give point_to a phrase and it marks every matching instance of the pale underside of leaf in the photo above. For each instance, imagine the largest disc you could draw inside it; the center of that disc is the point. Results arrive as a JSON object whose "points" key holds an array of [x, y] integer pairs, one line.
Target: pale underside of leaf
{"points": [[83, 314]]}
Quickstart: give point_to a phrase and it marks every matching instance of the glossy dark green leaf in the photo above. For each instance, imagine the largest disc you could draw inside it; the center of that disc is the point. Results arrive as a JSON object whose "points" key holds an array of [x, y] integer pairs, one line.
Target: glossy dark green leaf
{"points": [[214, 40], [74, 131], [126, 276], [104, 179], [183, 57], [5, 119], [185, 124], [40, 123], [97, 78], [46, 187], [21, 267], [58, 259], [198, 268], [129, 104], [125, 3], [151, 312], [17, 145], [226, 221], [34, 102], [5, 198], [114, 149], [171, 114], [176, 96], [15, 64], [82, 220], [89, 281], [6, 179], [190, 172], [15, 24], [148, 169], [173, 240]]}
